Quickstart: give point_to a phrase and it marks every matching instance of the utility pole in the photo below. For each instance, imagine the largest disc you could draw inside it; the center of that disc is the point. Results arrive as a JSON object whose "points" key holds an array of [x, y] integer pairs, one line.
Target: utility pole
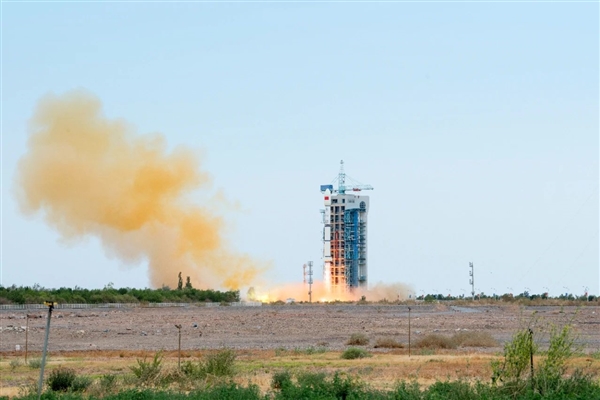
{"points": [[472, 280], [310, 281]]}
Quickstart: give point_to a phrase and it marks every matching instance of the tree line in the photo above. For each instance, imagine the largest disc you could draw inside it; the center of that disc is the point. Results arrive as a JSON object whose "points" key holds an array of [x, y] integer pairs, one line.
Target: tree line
{"points": [[37, 295]]}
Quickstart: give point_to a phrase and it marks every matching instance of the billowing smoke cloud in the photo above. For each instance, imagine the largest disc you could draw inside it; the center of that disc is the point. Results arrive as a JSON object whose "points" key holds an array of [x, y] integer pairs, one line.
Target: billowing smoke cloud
{"points": [[93, 176], [299, 292]]}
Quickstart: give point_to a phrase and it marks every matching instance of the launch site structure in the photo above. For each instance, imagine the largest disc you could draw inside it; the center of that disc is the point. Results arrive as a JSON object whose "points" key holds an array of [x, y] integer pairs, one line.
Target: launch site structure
{"points": [[345, 234]]}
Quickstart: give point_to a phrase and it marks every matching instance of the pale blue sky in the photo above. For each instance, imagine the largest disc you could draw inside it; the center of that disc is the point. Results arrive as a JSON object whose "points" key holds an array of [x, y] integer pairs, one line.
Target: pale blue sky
{"points": [[477, 124]]}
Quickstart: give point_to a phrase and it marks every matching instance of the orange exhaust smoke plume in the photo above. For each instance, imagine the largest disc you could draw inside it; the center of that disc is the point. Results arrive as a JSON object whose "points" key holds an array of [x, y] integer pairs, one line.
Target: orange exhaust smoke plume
{"points": [[299, 292], [95, 176]]}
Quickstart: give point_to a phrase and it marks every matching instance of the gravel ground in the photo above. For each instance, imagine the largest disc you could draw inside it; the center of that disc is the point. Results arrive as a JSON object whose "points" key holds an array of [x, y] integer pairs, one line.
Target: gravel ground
{"points": [[285, 326]]}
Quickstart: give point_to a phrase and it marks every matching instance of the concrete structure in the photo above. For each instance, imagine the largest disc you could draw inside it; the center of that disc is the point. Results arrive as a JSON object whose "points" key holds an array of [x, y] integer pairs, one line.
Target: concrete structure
{"points": [[345, 235]]}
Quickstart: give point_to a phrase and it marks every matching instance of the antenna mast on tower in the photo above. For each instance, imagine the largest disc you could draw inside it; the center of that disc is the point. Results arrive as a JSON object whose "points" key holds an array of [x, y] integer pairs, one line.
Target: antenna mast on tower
{"points": [[310, 281], [342, 179], [472, 280]]}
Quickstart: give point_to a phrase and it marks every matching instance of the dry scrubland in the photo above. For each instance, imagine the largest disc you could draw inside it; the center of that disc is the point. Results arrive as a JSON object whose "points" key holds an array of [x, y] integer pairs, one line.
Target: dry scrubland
{"points": [[455, 342]]}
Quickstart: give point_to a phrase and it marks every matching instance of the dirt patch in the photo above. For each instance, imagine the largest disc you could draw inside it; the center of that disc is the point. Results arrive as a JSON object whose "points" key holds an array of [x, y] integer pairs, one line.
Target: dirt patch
{"points": [[134, 331]]}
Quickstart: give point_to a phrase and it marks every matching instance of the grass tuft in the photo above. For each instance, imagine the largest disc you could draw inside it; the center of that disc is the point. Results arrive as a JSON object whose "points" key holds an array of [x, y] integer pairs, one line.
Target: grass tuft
{"points": [[35, 363], [358, 339], [388, 343], [461, 339], [435, 341]]}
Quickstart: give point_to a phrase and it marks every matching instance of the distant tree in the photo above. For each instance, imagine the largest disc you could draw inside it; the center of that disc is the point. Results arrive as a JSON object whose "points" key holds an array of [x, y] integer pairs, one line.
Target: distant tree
{"points": [[179, 282], [188, 283]]}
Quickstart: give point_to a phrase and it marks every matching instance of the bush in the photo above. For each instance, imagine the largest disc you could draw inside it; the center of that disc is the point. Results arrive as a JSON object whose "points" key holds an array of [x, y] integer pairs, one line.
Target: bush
{"points": [[358, 339], [61, 379], [281, 379], [220, 363], [549, 375], [352, 353], [81, 383], [147, 372], [15, 363], [190, 369], [435, 341], [106, 384], [387, 343], [517, 352], [35, 363], [318, 386]]}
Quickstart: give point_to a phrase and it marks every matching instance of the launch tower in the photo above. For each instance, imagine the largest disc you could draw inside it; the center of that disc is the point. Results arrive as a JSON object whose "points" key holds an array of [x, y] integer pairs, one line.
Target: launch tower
{"points": [[345, 234]]}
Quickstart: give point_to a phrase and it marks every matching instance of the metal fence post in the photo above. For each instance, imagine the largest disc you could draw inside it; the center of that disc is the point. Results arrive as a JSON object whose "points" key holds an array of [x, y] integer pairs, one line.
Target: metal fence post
{"points": [[50, 305]]}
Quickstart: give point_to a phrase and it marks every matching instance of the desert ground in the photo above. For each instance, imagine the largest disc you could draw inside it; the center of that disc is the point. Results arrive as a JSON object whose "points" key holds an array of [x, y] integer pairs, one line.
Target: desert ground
{"points": [[272, 337]]}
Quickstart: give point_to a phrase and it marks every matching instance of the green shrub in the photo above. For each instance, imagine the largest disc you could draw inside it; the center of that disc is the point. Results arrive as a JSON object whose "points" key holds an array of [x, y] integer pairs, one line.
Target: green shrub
{"points": [[61, 379], [407, 391], [35, 363], [81, 383], [358, 339], [147, 372], [14, 363], [352, 353], [517, 354], [221, 363], [189, 368], [318, 386], [281, 379], [108, 383], [312, 379], [549, 374]]}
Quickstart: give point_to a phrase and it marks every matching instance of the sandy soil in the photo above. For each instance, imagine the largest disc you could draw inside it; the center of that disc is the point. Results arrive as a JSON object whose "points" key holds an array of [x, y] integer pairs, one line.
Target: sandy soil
{"points": [[284, 326]]}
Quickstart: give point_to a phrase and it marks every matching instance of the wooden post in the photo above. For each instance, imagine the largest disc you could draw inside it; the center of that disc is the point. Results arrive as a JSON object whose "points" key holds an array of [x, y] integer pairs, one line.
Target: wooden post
{"points": [[26, 337], [408, 331], [179, 347], [531, 354]]}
